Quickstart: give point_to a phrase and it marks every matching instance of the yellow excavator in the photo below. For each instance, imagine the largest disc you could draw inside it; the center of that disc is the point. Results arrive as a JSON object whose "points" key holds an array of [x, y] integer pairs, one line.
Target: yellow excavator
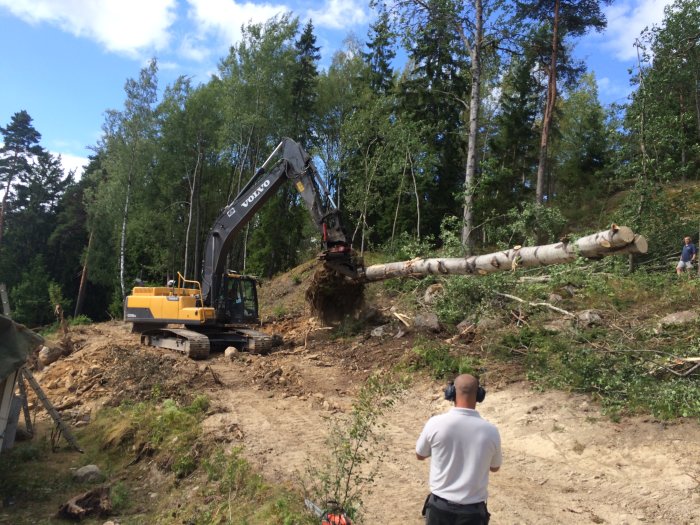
{"points": [[219, 311]]}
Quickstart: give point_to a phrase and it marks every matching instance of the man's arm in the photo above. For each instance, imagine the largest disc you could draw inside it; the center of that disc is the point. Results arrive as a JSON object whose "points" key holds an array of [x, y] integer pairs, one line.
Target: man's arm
{"points": [[495, 469], [419, 457]]}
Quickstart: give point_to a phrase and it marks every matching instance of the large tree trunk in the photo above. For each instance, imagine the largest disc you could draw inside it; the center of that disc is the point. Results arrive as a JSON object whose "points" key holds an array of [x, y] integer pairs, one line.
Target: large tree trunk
{"points": [[615, 241], [474, 106], [548, 108], [83, 281], [193, 189], [122, 242]]}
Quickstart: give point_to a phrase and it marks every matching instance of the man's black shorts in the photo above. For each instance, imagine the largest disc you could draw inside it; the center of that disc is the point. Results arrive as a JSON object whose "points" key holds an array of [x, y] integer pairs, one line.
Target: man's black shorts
{"points": [[439, 511]]}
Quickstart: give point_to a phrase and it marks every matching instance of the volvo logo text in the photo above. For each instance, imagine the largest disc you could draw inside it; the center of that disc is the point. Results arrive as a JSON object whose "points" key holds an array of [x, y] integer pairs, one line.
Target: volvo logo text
{"points": [[255, 194]]}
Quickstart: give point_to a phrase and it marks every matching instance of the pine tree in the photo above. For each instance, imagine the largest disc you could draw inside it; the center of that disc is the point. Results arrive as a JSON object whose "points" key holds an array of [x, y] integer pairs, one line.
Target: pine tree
{"points": [[563, 18], [305, 86], [439, 71], [20, 148], [380, 55]]}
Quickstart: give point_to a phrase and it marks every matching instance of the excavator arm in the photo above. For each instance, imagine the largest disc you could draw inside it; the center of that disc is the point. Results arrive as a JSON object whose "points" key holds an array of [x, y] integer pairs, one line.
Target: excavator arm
{"points": [[289, 163]]}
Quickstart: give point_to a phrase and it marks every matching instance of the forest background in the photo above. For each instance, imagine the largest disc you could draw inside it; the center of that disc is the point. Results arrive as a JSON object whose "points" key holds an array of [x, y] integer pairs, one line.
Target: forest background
{"points": [[491, 135]]}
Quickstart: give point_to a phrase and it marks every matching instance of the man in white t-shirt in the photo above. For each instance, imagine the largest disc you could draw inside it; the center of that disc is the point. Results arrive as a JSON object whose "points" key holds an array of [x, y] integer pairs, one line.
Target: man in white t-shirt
{"points": [[463, 448]]}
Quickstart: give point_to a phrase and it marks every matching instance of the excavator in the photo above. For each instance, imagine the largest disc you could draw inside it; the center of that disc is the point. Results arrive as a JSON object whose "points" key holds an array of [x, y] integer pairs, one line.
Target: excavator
{"points": [[218, 311]]}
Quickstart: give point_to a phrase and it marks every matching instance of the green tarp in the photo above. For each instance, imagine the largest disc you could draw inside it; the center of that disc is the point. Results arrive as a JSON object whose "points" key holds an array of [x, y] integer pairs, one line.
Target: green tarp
{"points": [[16, 342]]}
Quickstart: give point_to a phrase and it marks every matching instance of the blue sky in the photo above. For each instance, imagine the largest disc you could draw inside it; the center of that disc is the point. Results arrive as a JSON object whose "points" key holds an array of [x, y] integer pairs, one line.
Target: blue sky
{"points": [[65, 61]]}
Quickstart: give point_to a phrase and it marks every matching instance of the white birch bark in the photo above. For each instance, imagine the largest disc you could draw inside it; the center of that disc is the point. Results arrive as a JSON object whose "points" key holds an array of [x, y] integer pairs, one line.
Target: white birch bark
{"points": [[615, 241]]}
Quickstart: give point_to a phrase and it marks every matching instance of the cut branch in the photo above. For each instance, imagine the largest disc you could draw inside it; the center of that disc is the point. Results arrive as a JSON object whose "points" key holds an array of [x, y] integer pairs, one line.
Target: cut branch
{"points": [[546, 305]]}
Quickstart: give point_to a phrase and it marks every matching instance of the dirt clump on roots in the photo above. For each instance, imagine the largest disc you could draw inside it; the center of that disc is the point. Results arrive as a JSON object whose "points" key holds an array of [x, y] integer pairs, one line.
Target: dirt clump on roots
{"points": [[332, 296]]}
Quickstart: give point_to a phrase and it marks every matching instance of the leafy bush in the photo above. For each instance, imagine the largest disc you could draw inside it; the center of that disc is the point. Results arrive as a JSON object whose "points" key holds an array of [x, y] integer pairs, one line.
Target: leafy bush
{"points": [[470, 295], [439, 360], [354, 450], [30, 297], [529, 225]]}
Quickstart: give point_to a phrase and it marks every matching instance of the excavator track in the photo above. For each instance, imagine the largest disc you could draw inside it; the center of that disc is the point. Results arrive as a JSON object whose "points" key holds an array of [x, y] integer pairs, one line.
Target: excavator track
{"points": [[258, 342], [193, 344]]}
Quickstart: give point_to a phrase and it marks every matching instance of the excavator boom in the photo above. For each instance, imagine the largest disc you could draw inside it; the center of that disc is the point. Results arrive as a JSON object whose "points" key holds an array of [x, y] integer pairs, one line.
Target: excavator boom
{"points": [[293, 165], [216, 311]]}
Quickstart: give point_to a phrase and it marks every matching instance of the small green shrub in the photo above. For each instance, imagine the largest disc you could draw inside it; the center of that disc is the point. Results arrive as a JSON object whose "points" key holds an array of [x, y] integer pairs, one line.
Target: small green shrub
{"points": [[80, 320], [120, 496], [439, 360], [354, 450]]}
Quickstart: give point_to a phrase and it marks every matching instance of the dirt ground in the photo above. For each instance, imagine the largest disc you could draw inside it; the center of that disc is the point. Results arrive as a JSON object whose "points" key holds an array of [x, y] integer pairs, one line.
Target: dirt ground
{"points": [[563, 461]]}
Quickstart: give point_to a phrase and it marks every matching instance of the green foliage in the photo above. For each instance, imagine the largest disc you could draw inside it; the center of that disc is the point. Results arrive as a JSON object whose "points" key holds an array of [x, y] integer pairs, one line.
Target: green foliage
{"points": [[441, 362], [30, 297], [620, 380], [354, 449], [530, 224], [407, 246], [348, 327], [168, 430], [451, 236], [120, 497], [232, 473], [470, 295], [79, 320], [243, 497], [26, 478]]}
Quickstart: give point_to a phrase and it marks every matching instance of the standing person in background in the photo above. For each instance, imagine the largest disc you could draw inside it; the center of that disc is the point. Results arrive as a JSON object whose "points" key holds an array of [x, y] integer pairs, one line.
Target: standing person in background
{"points": [[688, 255], [463, 448]]}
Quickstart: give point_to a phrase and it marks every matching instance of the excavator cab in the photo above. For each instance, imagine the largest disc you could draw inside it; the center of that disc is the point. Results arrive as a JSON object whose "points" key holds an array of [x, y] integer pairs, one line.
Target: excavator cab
{"points": [[238, 301]]}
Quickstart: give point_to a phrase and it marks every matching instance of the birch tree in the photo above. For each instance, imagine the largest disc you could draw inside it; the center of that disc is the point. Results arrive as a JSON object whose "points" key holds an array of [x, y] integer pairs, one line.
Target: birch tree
{"points": [[475, 22], [127, 143]]}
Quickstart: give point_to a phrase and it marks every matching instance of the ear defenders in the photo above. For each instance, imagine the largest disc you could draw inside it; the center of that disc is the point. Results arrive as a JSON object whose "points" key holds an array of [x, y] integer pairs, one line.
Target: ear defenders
{"points": [[451, 392]]}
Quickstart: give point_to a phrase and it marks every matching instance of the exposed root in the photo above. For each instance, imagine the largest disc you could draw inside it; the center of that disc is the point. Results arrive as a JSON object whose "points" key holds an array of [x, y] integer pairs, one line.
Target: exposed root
{"points": [[332, 297]]}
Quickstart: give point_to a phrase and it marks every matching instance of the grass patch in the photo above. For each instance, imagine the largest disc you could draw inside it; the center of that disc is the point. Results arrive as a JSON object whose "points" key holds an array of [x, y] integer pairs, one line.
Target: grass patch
{"points": [[441, 361], [624, 381]]}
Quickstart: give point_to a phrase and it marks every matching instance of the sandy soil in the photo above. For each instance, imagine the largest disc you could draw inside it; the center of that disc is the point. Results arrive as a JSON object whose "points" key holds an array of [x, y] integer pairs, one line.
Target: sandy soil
{"points": [[563, 461]]}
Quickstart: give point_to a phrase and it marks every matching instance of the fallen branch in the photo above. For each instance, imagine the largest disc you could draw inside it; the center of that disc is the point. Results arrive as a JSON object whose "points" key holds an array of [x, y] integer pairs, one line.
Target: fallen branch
{"points": [[546, 305], [403, 318]]}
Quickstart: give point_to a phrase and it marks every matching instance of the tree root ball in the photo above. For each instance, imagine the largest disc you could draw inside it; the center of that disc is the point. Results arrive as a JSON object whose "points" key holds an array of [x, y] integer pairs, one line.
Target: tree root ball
{"points": [[332, 296]]}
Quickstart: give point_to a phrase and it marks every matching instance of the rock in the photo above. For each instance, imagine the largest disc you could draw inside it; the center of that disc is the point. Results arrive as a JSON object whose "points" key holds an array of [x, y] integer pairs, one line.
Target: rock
{"points": [[588, 318], [231, 352], [273, 373], [555, 298], [48, 355], [465, 324], [379, 331], [427, 321], [489, 323], [88, 474], [558, 325], [431, 293], [680, 318], [370, 314]]}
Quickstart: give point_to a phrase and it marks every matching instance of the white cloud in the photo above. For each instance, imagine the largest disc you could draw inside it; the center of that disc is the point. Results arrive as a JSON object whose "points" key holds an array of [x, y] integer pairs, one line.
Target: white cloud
{"points": [[626, 20], [125, 26], [224, 18], [339, 14], [72, 162], [193, 48]]}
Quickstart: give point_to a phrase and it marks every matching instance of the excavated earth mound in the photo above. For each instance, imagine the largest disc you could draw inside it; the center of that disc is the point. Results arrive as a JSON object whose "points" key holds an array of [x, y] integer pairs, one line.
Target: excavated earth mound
{"points": [[333, 297]]}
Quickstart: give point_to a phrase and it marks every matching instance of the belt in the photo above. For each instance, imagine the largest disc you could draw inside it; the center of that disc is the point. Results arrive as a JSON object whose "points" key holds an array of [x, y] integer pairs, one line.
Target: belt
{"points": [[459, 505]]}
